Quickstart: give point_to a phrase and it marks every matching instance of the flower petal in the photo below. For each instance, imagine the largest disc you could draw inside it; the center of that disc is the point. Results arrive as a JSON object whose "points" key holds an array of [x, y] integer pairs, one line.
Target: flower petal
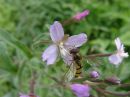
{"points": [[115, 59], [50, 54], [68, 59], [120, 48], [76, 40], [124, 55], [65, 54], [56, 32], [119, 45], [80, 90]]}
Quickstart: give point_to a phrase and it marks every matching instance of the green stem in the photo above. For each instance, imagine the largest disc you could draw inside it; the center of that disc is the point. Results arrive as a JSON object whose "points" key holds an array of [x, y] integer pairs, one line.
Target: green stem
{"points": [[98, 55]]}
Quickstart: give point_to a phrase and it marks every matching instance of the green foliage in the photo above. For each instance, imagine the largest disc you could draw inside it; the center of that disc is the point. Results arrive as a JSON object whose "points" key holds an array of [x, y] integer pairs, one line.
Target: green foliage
{"points": [[24, 23]]}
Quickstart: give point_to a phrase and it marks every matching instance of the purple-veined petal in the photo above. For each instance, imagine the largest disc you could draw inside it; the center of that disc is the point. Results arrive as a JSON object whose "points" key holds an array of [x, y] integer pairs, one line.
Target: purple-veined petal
{"points": [[65, 54], [80, 90], [68, 59], [76, 40], [56, 32], [115, 59], [50, 54]]}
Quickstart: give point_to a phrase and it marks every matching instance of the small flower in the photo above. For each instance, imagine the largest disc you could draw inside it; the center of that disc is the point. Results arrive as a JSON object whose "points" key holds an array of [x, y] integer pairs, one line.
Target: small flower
{"points": [[94, 74], [30, 95], [80, 16], [61, 44], [117, 58], [80, 90]]}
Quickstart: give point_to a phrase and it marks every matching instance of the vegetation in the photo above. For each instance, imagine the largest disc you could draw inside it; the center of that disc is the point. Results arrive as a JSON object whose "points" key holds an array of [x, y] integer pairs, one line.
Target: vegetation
{"points": [[24, 24]]}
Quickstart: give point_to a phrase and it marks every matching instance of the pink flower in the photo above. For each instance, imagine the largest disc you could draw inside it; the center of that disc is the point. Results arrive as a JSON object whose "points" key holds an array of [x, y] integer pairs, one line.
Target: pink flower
{"points": [[117, 58], [61, 44], [80, 16], [80, 90]]}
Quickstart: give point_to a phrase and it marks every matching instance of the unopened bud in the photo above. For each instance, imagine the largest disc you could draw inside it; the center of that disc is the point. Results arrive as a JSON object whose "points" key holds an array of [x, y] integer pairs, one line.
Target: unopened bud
{"points": [[113, 80], [94, 74], [80, 16]]}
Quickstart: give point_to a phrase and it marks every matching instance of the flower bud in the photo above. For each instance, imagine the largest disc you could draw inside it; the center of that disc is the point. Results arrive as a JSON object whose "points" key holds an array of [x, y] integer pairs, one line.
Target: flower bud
{"points": [[94, 74], [80, 90], [80, 16], [113, 80]]}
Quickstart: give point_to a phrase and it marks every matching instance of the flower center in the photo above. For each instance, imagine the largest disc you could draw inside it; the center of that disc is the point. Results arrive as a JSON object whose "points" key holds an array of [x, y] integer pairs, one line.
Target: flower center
{"points": [[63, 50]]}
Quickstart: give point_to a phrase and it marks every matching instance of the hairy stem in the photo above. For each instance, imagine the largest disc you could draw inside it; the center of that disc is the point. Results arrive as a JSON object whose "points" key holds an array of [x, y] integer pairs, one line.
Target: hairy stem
{"points": [[112, 93], [98, 55], [32, 83]]}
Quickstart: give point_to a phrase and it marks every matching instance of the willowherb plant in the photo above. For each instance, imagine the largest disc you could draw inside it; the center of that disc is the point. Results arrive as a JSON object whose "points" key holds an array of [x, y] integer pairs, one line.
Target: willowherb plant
{"points": [[67, 47]]}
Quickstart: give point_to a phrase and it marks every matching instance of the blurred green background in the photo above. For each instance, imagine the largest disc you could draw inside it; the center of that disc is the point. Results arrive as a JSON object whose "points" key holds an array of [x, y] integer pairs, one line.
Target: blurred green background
{"points": [[25, 23]]}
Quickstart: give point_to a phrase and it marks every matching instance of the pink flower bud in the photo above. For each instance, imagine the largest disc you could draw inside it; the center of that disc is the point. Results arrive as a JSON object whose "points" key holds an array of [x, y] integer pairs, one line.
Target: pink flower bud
{"points": [[80, 16]]}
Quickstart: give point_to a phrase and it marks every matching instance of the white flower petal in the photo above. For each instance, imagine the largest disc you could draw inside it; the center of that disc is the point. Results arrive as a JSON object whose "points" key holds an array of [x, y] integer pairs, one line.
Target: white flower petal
{"points": [[120, 48], [119, 44], [56, 32], [76, 40], [65, 54], [124, 55], [50, 54], [115, 59]]}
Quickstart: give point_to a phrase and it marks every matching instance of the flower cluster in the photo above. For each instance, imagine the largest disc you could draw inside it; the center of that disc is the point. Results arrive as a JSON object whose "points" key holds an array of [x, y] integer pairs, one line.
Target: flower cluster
{"points": [[63, 44]]}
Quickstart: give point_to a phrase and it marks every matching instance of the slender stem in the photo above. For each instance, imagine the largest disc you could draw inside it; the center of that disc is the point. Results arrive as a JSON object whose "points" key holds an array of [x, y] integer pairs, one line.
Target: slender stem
{"points": [[125, 85], [68, 21], [32, 83], [45, 41], [112, 93], [98, 55]]}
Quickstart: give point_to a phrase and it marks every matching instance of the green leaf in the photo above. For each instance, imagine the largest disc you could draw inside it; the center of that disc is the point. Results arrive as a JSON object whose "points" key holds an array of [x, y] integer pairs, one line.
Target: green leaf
{"points": [[12, 41]]}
